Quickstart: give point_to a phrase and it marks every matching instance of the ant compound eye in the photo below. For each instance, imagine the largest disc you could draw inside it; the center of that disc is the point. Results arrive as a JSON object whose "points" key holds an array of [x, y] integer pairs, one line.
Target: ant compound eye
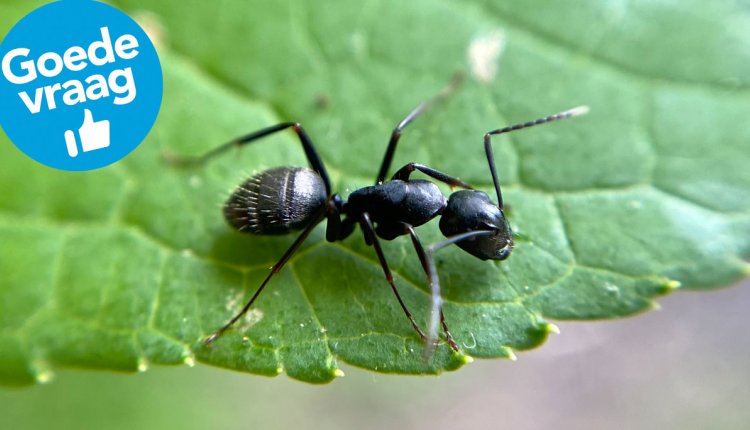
{"points": [[471, 210]]}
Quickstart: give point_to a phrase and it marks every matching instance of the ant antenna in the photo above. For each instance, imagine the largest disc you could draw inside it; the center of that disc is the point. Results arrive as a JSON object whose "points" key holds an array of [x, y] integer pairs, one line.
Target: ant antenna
{"points": [[576, 111]]}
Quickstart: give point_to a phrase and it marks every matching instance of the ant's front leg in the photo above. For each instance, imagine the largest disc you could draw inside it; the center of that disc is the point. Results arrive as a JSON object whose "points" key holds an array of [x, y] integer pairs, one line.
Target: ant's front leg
{"points": [[419, 110], [428, 265], [404, 173]]}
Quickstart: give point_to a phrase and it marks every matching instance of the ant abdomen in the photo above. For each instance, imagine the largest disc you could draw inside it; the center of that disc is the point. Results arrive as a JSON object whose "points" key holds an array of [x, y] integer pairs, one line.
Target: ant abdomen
{"points": [[276, 201]]}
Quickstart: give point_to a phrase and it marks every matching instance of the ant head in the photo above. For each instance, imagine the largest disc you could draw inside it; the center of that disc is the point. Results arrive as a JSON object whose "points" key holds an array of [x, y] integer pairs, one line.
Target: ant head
{"points": [[471, 210]]}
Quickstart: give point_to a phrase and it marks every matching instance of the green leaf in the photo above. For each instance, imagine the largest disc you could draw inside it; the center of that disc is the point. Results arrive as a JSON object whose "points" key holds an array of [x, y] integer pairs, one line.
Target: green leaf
{"points": [[133, 265]]}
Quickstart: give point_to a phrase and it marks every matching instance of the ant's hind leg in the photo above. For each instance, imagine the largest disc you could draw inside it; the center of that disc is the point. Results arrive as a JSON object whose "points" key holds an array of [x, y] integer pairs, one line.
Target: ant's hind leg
{"points": [[276, 268], [313, 158]]}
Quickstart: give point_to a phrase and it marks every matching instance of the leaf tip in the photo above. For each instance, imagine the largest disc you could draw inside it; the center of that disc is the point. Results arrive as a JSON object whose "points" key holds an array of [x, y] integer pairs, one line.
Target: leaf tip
{"points": [[669, 286], [508, 352], [142, 364], [188, 359], [551, 328], [463, 358], [43, 374]]}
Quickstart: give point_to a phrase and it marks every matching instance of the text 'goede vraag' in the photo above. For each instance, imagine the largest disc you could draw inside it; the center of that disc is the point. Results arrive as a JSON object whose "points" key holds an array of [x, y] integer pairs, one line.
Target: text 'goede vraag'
{"points": [[21, 66]]}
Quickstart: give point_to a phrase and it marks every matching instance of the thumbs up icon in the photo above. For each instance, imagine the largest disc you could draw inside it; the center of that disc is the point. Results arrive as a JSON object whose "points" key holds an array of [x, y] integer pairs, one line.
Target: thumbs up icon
{"points": [[94, 135]]}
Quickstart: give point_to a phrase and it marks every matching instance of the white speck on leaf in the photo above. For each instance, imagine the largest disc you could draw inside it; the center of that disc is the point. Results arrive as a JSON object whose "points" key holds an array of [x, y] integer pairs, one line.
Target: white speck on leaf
{"points": [[358, 43], [233, 300], [635, 204], [195, 181], [252, 317], [153, 26], [484, 52], [612, 288]]}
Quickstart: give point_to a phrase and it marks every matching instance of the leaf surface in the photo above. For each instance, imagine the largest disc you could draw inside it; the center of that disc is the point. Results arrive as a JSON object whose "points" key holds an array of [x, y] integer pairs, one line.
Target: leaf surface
{"points": [[133, 265]]}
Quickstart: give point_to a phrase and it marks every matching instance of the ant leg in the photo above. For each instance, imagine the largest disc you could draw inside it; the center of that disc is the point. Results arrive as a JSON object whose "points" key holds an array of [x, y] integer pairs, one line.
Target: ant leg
{"points": [[428, 264], [404, 172], [276, 268], [369, 232], [576, 111], [312, 155], [422, 108], [423, 258]]}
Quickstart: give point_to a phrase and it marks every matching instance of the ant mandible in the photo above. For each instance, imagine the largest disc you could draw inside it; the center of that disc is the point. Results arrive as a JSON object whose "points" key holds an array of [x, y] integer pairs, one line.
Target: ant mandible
{"points": [[282, 199]]}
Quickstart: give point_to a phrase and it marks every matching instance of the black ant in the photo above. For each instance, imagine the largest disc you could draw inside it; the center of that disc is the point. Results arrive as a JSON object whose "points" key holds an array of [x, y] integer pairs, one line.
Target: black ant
{"points": [[282, 199]]}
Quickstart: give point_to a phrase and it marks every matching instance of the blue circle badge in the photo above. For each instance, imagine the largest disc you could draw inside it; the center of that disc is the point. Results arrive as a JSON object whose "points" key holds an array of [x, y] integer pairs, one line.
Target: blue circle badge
{"points": [[80, 85]]}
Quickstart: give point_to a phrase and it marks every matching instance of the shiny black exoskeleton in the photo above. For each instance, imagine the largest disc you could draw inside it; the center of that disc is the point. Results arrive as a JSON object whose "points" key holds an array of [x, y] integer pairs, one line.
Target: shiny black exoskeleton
{"points": [[394, 203], [469, 210], [283, 199], [276, 201]]}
